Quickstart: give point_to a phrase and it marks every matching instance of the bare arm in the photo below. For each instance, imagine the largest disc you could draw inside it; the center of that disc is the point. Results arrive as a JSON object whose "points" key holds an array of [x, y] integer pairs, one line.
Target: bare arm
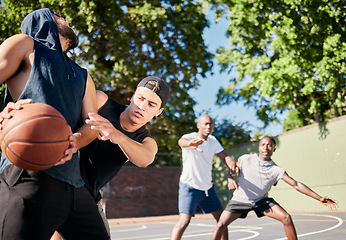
{"points": [[232, 184], [332, 204], [183, 142], [85, 134], [141, 154], [232, 169], [13, 51], [230, 163]]}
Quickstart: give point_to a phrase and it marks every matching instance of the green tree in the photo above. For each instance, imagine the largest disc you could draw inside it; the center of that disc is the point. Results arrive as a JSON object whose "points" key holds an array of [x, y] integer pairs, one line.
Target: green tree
{"points": [[293, 120], [288, 54], [229, 134], [123, 41]]}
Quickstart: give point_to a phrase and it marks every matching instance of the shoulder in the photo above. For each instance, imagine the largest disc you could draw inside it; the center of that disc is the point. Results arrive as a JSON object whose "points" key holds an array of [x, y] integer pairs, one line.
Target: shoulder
{"points": [[20, 38], [18, 43], [212, 137], [101, 98], [247, 157], [275, 165]]}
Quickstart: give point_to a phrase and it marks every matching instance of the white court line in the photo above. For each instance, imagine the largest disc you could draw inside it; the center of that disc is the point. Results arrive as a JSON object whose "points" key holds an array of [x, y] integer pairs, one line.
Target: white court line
{"points": [[213, 225], [130, 229], [237, 229], [255, 234], [340, 221]]}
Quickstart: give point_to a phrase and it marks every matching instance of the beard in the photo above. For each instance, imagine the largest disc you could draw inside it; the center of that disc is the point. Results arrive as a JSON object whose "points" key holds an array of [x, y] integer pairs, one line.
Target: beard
{"points": [[69, 34]]}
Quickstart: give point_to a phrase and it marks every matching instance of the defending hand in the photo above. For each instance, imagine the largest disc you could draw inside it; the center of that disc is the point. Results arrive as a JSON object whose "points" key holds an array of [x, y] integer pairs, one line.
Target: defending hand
{"points": [[332, 204], [195, 143]]}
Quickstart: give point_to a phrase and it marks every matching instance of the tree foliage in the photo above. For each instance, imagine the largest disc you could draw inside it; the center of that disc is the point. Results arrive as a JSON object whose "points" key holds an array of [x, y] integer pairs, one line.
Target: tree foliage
{"points": [[123, 41], [293, 121], [288, 54], [229, 134]]}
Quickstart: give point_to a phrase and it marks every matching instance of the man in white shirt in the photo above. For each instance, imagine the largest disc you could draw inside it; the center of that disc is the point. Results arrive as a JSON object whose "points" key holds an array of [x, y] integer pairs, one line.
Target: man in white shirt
{"points": [[195, 185]]}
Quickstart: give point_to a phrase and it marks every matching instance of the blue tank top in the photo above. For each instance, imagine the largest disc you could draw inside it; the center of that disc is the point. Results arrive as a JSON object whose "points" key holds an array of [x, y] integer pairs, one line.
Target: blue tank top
{"points": [[55, 80]]}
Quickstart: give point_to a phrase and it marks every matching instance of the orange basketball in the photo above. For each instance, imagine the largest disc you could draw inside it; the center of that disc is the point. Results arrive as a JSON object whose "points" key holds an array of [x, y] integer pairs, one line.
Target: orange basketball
{"points": [[36, 137]]}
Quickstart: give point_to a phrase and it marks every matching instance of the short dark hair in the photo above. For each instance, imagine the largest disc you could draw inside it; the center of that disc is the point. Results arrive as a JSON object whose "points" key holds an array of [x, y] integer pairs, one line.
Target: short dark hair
{"points": [[271, 139]]}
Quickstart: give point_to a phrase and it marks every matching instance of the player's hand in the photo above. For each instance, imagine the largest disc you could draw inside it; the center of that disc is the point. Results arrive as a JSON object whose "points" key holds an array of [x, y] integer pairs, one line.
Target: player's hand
{"points": [[71, 150], [232, 184], [231, 173], [233, 169], [195, 143], [332, 204], [6, 112], [105, 128]]}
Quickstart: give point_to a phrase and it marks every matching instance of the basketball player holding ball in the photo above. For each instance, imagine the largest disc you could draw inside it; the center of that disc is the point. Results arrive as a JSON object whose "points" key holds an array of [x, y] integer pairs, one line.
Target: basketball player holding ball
{"points": [[35, 66]]}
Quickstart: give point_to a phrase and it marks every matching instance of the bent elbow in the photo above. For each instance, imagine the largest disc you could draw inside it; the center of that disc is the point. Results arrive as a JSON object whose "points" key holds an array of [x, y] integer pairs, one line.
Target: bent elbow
{"points": [[145, 164]]}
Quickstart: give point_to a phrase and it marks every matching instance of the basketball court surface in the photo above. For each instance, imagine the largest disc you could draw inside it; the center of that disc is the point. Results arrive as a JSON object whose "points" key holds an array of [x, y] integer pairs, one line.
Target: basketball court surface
{"points": [[310, 226]]}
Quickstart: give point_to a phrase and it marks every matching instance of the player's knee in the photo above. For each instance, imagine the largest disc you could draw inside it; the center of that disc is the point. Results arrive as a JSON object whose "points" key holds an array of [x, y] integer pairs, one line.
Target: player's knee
{"points": [[286, 219], [221, 225], [183, 223]]}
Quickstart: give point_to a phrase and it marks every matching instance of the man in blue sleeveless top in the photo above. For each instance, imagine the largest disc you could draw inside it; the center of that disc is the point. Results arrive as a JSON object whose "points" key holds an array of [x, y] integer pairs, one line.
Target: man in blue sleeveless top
{"points": [[35, 66]]}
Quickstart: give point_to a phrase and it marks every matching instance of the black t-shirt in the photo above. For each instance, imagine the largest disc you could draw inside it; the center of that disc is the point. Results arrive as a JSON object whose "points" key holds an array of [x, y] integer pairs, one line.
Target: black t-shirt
{"points": [[101, 160]]}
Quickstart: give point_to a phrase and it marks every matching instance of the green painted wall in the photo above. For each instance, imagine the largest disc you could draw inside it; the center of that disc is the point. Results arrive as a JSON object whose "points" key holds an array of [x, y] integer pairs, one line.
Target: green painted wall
{"points": [[314, 155]]}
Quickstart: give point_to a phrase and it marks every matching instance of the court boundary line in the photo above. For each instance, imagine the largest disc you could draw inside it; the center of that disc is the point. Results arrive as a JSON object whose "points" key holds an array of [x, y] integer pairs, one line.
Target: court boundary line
{"points": [[340, 222], [243, 229]]}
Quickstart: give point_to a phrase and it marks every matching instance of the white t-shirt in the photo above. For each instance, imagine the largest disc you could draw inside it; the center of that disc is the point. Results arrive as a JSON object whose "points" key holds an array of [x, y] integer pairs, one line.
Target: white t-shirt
{"points": [[256, 177], [197, 165]]}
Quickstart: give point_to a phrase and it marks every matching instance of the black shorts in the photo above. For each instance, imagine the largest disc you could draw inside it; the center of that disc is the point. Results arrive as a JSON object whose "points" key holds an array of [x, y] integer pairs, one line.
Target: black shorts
{"points": [[259, 207], [34, 205]]}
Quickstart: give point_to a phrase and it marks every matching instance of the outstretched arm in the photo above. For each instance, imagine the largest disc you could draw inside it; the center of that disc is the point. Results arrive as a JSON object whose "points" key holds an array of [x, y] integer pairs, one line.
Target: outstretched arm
{"points": [[141, 154], [332, 204], [194, 143]]}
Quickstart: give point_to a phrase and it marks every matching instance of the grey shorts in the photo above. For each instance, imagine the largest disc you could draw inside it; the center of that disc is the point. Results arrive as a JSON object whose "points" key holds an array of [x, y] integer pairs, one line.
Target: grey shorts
{"points": [[259, 207]]}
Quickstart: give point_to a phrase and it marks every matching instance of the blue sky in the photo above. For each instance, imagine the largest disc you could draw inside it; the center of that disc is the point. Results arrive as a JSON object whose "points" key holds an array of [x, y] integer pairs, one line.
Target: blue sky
{"points": [[205, 95]]}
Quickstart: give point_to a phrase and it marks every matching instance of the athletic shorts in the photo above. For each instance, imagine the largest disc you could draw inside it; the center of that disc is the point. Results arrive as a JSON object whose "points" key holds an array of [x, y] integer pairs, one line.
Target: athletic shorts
{"points": [[34, 205], [190, 198], [259, 207]]}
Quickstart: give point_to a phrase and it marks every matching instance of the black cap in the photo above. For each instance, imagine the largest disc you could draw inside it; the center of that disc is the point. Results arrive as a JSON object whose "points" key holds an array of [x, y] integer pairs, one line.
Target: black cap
{"points": [[162, 90]]}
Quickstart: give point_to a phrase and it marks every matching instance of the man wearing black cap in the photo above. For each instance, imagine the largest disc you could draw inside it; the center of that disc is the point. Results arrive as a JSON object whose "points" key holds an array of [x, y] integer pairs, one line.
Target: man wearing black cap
{"points": [[122, 133]]}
